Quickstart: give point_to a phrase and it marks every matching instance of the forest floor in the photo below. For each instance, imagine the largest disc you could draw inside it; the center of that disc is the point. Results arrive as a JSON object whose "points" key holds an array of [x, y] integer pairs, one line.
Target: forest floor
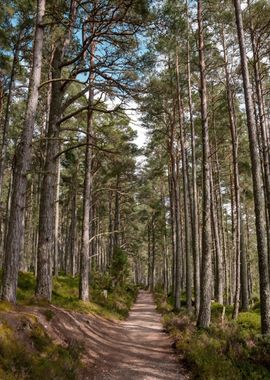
{"points": [[49, 341], [137, 348]]}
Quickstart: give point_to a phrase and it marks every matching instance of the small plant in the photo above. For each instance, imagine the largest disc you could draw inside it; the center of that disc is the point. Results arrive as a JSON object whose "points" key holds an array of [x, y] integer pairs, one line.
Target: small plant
{"points": [[49, 314]]}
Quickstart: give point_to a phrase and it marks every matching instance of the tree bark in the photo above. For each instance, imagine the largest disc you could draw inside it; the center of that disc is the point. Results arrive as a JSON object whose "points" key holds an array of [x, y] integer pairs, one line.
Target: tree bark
{"points": [[48, 198], [4, 142], [244, 271], [22, 162], [87, 195], [194, 208], [206, 273], [257, 178], [47, 209], [57, 220], [219, 289], [185, 190]]}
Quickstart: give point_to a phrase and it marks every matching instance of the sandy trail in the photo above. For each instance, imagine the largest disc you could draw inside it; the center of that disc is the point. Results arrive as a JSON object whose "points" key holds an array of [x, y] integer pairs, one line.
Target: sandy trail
{"points": [[136, 349], [141, 350]]}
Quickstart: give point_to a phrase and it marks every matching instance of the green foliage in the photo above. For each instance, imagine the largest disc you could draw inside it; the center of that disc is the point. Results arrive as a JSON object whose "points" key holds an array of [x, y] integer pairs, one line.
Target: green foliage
{"points": [[250, 321], [116, 306], [40, 338], [33, 355], [119, 269], [234, 350], [66, 295], [49, 314], [26, 287]]}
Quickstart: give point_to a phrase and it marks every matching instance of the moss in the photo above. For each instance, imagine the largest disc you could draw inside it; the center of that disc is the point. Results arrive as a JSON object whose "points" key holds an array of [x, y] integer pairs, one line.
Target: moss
{"points": [[66, 295], [40, 338], [6, 306], [45, 361], [26, 287], [250, 321]]}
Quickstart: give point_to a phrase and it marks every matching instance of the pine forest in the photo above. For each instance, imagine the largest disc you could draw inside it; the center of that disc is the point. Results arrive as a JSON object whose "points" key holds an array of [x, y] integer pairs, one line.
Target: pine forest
{"points": [[134, 189]]}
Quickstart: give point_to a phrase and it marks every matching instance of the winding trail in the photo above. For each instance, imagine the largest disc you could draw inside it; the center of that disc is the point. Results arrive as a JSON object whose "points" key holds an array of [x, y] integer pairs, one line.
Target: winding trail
{"points": [[142, 351], [136, 349]]}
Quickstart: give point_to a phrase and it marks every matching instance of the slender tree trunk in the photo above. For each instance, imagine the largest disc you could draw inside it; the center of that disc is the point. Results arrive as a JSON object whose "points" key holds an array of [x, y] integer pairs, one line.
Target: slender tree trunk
{"points": [[153, 254], [73, 226], [185, 191], [57, 220], [117, 213], [257, 179], [22, 163], [111, 228], [172, 222], [4, 142], [244, 271], [87, 196], [194, 213], [206, 274], [262, 126], [219, 289], [236, 182], [149, 250], [178, 257]]}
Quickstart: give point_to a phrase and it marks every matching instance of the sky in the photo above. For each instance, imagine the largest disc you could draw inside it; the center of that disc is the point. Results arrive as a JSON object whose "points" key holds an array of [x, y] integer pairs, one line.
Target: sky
{"points": [[134, 115]]}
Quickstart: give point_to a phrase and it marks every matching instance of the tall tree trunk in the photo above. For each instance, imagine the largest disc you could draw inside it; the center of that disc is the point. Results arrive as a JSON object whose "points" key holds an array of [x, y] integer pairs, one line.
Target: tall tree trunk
{"points": [[206, 273], [172, 223], [111, 228], [73, 248], [22, 163], [57, 220], [194, 213], [257, 179], [185, 190], [178, 251], [4, 142], [48, 194], [49, 186], [117, 213], [262, 128], [87, 193], [236, 181]]}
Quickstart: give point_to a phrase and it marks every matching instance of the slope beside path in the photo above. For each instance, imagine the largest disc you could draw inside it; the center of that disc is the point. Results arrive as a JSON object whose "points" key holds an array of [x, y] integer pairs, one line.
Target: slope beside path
{"points": [[136, 349]]}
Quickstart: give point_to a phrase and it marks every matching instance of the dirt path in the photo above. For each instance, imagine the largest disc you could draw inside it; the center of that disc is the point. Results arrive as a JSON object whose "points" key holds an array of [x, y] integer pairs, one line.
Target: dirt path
{"points": [[140, 350], [137, 349]]}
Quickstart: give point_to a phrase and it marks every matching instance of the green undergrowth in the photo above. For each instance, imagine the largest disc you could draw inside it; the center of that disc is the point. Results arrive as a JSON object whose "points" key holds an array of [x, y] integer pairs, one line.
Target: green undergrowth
{"points": [[227, 350], [27, 352], [115, 305]]}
